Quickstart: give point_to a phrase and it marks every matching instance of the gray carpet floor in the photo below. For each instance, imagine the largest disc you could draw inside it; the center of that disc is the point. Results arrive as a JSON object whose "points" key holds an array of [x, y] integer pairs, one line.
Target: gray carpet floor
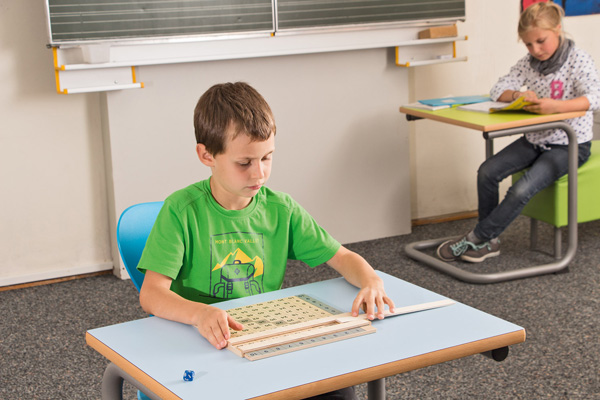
{"points": [[43, 354]]}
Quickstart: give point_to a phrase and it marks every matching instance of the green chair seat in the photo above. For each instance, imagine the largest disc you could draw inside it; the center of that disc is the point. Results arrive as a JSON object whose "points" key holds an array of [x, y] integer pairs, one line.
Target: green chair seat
{"points": [[550, 205]]}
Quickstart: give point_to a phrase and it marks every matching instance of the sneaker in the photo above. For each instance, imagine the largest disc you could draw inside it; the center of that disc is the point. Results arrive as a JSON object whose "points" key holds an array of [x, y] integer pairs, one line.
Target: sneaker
{"points": [[452, 250], [482, 251]]}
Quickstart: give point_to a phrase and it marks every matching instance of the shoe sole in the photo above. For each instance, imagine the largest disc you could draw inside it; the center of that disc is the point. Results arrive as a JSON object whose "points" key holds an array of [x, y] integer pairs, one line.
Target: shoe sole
{"points": [[479, 259]]}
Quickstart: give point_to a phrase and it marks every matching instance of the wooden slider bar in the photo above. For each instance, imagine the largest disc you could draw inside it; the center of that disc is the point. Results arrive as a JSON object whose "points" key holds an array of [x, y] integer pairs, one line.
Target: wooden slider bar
{"points": [[328, 323], [285, 329], [300, 334], [305, 344]]}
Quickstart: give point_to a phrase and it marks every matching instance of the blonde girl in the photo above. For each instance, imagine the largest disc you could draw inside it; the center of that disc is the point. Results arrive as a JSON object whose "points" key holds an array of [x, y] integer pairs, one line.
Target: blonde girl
{"points": [[558, 77]]}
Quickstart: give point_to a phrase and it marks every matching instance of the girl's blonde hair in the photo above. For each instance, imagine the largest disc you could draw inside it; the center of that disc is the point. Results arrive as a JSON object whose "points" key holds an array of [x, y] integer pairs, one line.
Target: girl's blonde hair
{"points": [[542, 15]]}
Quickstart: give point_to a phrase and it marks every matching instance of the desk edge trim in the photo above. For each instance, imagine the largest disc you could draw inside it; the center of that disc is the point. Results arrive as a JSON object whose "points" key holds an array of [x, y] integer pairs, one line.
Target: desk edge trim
{"points": [[401, 366], [543, 118]]}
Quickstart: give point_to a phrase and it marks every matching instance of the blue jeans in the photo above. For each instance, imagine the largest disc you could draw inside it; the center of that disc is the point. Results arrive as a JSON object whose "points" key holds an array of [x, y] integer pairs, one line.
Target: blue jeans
{"points": [[545, 167]]}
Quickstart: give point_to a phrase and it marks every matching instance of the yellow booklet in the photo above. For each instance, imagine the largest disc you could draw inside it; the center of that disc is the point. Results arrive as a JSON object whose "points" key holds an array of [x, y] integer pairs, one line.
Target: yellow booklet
{"points": [[518, 104], [497, 106]]}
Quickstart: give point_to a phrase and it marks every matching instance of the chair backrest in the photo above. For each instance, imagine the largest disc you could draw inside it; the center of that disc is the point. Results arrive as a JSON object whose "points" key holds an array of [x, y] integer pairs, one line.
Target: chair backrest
{"points": [[133, 229]]}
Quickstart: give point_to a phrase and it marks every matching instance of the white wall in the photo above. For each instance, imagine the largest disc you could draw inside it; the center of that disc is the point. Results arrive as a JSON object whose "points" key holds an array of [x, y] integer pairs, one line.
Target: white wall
{"points": [[53, 215], [444, 159]]}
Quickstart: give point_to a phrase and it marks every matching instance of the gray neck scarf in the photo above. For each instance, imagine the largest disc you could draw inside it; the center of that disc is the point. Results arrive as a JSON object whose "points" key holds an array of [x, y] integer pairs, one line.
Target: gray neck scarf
{"points": [[554, 63]]}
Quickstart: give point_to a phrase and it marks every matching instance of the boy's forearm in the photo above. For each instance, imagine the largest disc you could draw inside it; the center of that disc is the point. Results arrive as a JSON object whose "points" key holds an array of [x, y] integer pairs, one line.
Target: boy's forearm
{"points": [[165, 304], [169, 305], [353, 267]]}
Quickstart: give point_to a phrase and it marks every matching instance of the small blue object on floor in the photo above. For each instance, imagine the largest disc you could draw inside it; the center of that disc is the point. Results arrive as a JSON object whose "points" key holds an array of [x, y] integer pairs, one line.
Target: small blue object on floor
{"points": [[188, 375], [142, 396]]}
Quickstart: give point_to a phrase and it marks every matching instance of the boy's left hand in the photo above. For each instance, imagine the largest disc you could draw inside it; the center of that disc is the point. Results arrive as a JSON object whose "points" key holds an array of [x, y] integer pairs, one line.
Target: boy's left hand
{"points": [[372, 299], [356, 270]]}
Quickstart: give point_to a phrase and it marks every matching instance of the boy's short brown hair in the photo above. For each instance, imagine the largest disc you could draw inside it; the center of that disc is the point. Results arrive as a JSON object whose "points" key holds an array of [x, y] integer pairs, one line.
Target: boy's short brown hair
{"points": [[231, 105]]}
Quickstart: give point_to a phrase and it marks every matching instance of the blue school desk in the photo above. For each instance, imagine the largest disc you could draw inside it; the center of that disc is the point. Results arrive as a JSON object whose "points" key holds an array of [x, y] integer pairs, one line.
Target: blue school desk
{"points": [[154, 353], [493, 126]]}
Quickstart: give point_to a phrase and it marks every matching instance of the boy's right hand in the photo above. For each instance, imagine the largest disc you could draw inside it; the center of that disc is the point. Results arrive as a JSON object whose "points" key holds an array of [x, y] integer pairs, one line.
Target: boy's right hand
{"points": [[214, 323]]}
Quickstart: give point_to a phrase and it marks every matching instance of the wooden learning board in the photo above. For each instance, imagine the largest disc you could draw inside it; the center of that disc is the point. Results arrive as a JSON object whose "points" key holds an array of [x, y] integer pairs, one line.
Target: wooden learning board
{"points": [[289, 324], [298, 322], [277, 313]]}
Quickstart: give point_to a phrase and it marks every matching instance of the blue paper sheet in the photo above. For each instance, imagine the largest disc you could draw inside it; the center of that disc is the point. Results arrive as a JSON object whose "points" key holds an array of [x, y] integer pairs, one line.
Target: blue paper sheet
{"points": [[452, 101]]}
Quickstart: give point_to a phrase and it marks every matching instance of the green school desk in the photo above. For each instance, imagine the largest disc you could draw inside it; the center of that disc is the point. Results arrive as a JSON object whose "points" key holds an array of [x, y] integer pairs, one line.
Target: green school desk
{"points": [[154, 353], [493, 126]]}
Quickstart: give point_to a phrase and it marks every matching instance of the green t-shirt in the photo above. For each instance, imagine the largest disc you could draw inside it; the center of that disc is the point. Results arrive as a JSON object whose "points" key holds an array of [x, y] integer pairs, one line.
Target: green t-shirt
{"points": [[213, 254]]}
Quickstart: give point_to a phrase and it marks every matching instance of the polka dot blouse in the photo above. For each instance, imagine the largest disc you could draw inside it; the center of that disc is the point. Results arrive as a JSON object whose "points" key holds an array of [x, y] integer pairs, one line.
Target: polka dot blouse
{"points": [[577, 77]]}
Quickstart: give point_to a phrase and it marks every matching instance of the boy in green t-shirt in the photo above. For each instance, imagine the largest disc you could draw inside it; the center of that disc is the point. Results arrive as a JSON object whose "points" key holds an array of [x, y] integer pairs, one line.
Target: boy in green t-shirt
{"points": [[229, 236]]}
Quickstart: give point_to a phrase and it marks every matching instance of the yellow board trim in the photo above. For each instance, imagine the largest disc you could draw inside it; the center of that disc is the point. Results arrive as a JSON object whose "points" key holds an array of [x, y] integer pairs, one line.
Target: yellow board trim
{"points": [[56, 77], [134, 78], [55, 55], [398, 60]]}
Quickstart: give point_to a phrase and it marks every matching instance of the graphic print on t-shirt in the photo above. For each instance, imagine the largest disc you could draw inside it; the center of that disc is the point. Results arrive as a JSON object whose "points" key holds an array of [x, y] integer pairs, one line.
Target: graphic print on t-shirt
{"points": [[237, 268]]}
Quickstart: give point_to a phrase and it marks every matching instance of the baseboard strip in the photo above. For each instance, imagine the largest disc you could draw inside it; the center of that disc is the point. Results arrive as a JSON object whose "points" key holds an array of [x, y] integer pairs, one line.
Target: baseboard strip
{"points": [[445, 218], [43, 278]]}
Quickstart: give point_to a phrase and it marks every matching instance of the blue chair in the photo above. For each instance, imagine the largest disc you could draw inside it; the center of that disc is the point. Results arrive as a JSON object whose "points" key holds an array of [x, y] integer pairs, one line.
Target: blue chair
{"points": [[133, 229]]}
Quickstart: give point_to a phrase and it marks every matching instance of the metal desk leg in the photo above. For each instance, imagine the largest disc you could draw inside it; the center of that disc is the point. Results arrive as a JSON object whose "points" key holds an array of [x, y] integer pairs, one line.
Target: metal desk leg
{"points": [[112, 384], [533, 233], [489, 147], [497, 354], [376, 389], [557, 243], [414, 250]]}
